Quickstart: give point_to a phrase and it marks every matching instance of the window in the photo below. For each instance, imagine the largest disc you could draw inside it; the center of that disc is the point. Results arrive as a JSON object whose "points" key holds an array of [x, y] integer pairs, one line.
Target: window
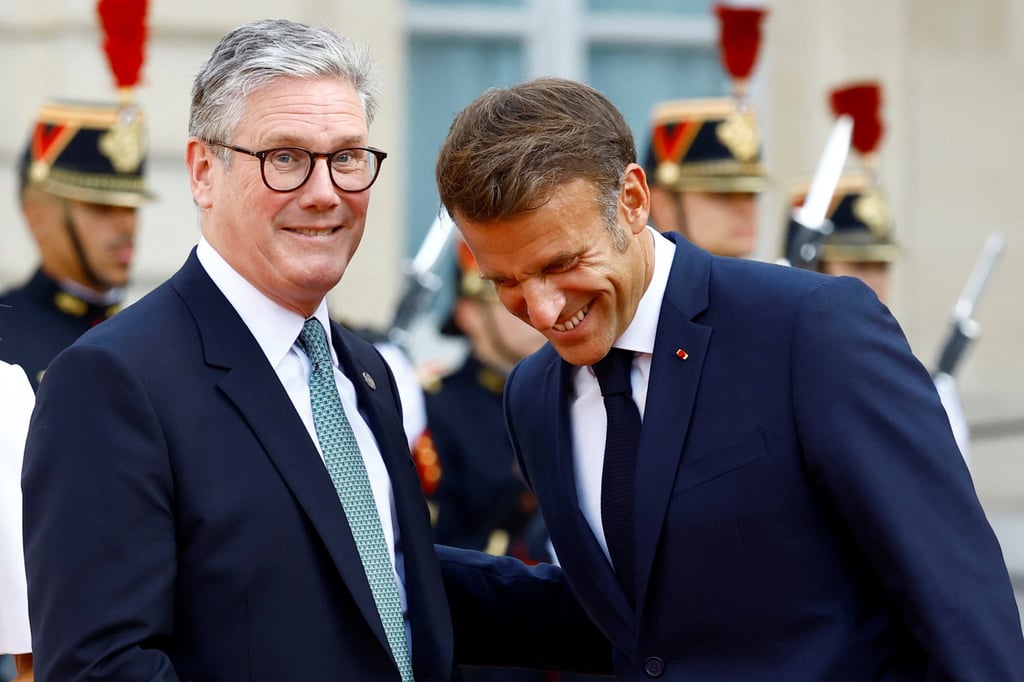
{"points": [[637, 52]]}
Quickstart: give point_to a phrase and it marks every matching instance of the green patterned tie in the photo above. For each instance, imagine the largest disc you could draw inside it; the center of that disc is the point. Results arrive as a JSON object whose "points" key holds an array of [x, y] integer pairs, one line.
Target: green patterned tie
{"points": [[345, 465]]}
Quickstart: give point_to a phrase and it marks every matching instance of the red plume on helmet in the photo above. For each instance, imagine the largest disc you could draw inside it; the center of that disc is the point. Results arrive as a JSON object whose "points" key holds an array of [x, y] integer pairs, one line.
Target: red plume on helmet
{"points": [[125, 31], [861, 216], [863, 102], [739, 41]]}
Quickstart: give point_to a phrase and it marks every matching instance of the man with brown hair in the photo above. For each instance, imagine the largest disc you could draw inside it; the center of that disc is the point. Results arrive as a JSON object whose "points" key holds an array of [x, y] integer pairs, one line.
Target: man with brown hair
{"points": [[713, 516]]}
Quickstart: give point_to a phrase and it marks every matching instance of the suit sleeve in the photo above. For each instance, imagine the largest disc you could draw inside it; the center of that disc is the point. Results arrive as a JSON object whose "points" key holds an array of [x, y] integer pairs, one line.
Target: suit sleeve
{"points": [[878, 444], [505, 613], [99, 530]]}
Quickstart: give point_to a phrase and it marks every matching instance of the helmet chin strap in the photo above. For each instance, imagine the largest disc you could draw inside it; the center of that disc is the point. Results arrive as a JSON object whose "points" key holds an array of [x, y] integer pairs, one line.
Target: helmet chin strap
{"points": [[94, 281]]}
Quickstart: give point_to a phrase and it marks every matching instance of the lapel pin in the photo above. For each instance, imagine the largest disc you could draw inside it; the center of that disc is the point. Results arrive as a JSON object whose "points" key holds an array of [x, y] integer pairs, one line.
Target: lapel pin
{"points": [[369, 381], [682, 354]]}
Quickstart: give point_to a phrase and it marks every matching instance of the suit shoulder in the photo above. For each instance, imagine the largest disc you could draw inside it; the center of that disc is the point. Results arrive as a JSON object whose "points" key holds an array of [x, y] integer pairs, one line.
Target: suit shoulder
{"points": [[767, 284], [148, 320], [771, 275], [359, 345]]}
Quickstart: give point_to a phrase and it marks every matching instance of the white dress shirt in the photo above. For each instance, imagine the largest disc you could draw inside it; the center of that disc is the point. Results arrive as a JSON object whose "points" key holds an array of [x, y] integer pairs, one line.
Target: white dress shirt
{"points": [[589, 421], [276, 330], [16, 401]]}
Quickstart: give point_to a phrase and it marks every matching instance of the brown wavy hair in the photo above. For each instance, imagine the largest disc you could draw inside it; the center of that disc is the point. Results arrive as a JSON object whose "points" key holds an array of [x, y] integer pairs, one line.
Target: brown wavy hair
{"points": [[511, 148]]}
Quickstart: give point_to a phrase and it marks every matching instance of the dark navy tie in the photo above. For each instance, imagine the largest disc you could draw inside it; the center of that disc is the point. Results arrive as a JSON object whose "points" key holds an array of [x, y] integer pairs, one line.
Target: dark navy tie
{"points": [[621, 443]]}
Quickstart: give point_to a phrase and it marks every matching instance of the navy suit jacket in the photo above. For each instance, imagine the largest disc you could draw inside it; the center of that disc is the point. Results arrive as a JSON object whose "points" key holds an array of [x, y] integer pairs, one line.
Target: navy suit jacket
{"points": [[180, 523], [802, 511]]}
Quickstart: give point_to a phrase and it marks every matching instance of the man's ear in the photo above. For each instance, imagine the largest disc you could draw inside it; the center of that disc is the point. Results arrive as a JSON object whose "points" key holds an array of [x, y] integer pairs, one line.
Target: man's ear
{"points": [[635, 198], [200, 164]]}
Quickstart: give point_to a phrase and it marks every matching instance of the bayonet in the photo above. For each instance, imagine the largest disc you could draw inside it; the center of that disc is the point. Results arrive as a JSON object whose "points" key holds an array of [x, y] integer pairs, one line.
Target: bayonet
{"points": [[810, 221], [964, 328], [421, 279]]}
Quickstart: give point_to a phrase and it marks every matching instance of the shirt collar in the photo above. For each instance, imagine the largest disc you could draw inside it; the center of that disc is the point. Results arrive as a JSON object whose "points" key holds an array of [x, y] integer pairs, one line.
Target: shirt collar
{"points": [[274, 327], [641, 332]]}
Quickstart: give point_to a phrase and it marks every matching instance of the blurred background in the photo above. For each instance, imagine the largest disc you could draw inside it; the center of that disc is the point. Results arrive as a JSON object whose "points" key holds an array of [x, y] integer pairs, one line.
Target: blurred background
{"points": [[951, 157]]}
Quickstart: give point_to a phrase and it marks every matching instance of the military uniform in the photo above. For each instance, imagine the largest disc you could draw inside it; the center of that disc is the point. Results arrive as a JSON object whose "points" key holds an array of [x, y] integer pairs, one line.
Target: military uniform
{"points": [[481, 502], [705, 145], [40, 319], [91, 153], [87, 152], [703, 160], [860, 220]]}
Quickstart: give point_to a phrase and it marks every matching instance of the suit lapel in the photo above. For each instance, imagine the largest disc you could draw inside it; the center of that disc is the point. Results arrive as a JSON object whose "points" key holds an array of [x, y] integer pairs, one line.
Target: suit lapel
{"points": [[252, 385], [427, 604], [671, 395], [587, 565], [375, 395]]}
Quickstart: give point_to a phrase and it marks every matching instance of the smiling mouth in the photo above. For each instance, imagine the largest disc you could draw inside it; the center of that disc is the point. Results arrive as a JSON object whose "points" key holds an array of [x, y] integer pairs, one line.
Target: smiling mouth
{"points": [[314, 232], [573, 321]]}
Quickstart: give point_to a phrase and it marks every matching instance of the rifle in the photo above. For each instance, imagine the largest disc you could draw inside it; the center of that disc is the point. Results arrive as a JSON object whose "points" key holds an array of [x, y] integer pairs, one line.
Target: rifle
{"points": [[808, 223], [421, 279], [964, 328]]}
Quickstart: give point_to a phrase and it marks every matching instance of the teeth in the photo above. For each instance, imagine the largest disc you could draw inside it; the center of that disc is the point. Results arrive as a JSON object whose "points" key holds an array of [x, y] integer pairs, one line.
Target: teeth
{"points": [[313, 233], [573, 321]]}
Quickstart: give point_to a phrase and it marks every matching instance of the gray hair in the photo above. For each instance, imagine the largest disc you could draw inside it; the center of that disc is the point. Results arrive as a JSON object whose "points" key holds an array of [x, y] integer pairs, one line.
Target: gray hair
{"points": [[254, 55]]}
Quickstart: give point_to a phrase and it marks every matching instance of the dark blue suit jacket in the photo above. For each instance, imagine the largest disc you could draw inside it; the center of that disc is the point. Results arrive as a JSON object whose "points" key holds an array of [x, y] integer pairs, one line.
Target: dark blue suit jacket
{"points": [[802, 511], [180, 523]]}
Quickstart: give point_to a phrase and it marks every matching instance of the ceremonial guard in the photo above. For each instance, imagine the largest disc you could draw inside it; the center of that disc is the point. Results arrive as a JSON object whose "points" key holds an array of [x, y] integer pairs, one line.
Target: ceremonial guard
{"points": [[480, 500], [81, 181], [860, 243], [703, 160]]}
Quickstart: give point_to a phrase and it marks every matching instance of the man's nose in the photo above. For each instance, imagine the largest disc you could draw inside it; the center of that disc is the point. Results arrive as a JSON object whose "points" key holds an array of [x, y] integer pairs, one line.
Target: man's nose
{"points": [[544, 303], [319, 189]]}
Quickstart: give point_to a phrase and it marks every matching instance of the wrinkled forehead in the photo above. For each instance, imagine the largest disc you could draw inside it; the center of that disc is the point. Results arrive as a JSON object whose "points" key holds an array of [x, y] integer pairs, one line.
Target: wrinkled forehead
{"points": [[568, 224], [289, 110]]}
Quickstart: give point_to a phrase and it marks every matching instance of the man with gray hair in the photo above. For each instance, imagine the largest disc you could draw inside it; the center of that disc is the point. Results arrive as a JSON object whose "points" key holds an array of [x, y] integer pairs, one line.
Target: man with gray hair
{"points": [[217, 484]]}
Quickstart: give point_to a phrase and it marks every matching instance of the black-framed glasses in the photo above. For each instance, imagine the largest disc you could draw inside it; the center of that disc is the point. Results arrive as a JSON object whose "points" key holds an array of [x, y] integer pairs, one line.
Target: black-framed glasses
{"points": [[285, 169]]}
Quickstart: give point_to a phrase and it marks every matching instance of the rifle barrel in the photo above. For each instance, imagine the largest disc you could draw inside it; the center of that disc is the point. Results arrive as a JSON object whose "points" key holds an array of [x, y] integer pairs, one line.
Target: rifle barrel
{"points": [[964, 328], [979, 277]]}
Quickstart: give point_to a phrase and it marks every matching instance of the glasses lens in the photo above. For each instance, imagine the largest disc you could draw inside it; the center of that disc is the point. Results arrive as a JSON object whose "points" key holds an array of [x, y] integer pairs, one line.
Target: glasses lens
{"points": [[285, 169], [354, 169], [288, 168]]}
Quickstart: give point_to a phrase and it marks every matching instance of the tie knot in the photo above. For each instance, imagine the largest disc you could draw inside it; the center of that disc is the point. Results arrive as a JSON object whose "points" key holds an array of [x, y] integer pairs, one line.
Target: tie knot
{"points": [[313, 340], [613, 372]]}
